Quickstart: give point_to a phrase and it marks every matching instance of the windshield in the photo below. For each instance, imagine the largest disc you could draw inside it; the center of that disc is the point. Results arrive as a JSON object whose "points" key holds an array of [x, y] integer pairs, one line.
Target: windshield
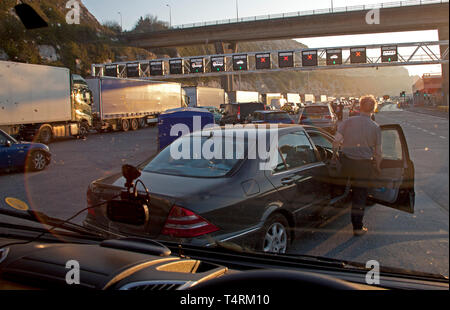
{"points": [[317, 110], [93, 91], [168, 161]]}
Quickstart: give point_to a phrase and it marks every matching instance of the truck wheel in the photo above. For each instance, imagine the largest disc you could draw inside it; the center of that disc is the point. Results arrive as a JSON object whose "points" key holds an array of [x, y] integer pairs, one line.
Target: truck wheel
{"points": [[36, 161], [45, 135], [142, 122], [134, 124], [125, 125], [84, 130]]}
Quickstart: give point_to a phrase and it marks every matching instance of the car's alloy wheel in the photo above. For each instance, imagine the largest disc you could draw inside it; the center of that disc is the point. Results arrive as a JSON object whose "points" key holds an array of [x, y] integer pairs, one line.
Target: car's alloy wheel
{"points": [[38, 161], [276, 235]]}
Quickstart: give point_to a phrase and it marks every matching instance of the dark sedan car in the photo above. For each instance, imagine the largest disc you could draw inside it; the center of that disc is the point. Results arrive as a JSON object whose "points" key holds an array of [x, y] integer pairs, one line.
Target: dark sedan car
{"points": [[17, 154], [271, 117], [244, 199], [319, 115]]}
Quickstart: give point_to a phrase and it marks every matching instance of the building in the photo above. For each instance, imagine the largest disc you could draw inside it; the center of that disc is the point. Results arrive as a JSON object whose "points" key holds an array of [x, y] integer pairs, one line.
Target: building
{"points": [[428, 90]]}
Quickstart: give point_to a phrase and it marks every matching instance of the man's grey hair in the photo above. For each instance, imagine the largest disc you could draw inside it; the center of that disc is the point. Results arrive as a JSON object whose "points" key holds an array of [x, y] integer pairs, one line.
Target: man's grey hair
{"points": [[368, 104]]}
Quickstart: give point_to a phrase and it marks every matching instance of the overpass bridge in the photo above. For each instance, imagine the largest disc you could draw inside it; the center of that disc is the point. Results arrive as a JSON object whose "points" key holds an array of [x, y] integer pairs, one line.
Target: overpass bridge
{"points": [[412, 15]]}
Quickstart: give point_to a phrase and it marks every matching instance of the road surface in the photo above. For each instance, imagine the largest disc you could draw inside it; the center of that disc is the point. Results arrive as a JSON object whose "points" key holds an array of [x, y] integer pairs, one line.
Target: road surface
{"points": [[395, 239]]}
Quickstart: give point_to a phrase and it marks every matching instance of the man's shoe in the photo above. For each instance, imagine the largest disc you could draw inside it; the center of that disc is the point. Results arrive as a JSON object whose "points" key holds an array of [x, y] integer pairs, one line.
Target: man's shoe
{"points": [[360, 232]]}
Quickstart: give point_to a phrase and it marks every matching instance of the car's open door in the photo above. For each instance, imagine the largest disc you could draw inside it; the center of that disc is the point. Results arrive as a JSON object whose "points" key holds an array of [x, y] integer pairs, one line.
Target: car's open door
{"points": [[394, 187]]}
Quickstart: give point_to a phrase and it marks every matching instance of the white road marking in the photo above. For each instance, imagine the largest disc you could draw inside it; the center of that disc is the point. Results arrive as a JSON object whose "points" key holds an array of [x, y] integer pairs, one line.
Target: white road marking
{"points": [[432, 133], [442, 137]]}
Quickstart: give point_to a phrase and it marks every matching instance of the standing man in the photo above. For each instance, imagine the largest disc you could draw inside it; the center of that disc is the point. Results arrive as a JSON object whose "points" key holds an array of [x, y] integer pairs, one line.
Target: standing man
{"points": [[359, 138]]}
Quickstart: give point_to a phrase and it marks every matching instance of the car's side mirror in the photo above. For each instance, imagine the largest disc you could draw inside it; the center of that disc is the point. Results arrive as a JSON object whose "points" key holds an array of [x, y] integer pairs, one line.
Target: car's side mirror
{"points": [[8, 143]]}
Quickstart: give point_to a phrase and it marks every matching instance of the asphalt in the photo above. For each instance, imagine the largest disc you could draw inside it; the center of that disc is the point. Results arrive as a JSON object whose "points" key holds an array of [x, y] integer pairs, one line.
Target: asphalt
{"points": [[416, 241]]}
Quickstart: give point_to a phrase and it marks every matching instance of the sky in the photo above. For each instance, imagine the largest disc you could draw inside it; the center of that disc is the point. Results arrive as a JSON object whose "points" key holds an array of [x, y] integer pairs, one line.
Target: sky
{"points": [[195, 11]]}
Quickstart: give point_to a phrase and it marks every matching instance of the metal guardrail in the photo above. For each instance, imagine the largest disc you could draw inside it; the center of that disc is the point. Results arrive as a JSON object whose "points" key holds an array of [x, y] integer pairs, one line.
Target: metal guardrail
{"points": [[312, 12]]}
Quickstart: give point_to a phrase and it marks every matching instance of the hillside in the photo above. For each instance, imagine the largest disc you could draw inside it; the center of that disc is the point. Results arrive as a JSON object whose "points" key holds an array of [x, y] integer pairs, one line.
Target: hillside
{"points": [[61, 44]]}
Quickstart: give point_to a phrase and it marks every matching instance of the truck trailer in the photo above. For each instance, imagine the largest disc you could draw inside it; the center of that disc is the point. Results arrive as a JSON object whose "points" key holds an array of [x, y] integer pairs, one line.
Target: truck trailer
{"points": [[42, 102], [205, 96], [242, 96], [130, 104]]}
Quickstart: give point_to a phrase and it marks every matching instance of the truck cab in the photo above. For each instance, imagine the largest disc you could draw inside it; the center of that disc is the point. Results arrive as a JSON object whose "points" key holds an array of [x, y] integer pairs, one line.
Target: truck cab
{"points": [[82, 100]]}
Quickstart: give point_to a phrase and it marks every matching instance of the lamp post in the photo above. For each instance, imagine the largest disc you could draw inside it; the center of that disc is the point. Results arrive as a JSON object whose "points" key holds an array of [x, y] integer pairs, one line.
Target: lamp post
{"points": [[121, 25], [237, 11], [170, 15]]}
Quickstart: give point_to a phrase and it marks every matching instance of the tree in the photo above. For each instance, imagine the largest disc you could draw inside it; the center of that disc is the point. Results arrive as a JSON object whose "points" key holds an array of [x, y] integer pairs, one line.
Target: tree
{"points": [[113, 26], [149, 23]]}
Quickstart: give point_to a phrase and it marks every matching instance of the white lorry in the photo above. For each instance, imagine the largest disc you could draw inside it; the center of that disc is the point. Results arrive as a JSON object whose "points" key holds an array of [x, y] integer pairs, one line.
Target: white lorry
{"points": [[242, 96], [42, 102], [205, 96], [130, 104]]}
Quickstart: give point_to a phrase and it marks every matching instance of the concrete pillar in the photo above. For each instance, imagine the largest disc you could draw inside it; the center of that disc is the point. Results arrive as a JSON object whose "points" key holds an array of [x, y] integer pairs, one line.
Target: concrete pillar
{"points": [[443, 35], [226, 48]]}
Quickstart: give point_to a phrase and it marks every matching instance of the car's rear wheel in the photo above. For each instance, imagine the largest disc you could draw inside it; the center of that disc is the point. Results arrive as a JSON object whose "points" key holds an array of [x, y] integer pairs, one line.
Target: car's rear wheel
{"points": [[275, 237], [37, 161], [134, 124]]}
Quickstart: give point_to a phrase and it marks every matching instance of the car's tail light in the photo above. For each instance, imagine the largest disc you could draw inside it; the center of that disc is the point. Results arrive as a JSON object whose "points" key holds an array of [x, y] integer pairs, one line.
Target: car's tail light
{"points": [[328, 117], [239, 113], [183, 223], [91, 211], [292, 121]]}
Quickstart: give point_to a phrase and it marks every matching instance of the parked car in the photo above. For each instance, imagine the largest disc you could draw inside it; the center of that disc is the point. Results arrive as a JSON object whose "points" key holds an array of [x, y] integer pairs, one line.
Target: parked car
{"points": [[17, 154], [272, 117], [203, 201], [237, 113], [319, 115]]}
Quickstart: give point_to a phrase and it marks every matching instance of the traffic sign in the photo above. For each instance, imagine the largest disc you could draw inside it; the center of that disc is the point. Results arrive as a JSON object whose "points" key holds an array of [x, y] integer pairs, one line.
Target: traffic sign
{"points": [[111, 70], [176, 66], [240, 62], [218, 64], [334, 57], [358, 55], [389, 53], [156, 67], [262, 61], [285, 59], [309, 58], [133, 69], [197, 65]]}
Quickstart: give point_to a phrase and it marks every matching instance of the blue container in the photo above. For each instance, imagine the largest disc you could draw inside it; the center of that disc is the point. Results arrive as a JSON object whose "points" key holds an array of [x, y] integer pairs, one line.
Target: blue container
{"points": [[180, 116]]}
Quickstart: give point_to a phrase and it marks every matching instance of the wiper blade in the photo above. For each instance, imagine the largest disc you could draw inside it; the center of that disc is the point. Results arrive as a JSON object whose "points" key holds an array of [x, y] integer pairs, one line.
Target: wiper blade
{"points": [[42, 218]]}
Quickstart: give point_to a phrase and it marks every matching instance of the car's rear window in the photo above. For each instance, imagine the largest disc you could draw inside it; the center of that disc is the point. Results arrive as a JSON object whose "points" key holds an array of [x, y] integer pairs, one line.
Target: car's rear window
{"points": [[277, 116], [317, 110], [189, 157]]}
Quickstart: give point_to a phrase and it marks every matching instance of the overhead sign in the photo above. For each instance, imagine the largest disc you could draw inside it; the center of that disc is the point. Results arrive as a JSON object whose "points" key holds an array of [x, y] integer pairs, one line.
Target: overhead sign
{"points": [[285, 59], [133, 69], [358, 55], [262, 61], [111, 70], [156, 67], [309, 58], [240, 62], [334, 57], [197, 65], [176, 66], [389, 53], [218, 64]]}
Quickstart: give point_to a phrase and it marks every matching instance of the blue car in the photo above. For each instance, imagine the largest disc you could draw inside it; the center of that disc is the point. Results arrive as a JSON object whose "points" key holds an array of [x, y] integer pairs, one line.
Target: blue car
{"points": [[271, 117], [17, 154]]}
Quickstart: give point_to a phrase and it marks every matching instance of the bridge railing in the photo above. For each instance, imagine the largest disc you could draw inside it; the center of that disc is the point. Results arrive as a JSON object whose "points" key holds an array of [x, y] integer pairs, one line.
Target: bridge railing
{"points": [[312, 12]]}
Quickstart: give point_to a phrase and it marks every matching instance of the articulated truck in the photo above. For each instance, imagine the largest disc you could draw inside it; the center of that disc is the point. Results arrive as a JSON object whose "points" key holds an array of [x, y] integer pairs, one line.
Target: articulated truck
{"points": [[39, 103], [130, 104], [205, 96]]}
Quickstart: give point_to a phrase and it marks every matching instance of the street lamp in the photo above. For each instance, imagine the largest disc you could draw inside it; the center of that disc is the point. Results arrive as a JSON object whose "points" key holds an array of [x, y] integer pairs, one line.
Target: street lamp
{"points": [[121, 25], [170, 15], [331, 5], [237, 11]]}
